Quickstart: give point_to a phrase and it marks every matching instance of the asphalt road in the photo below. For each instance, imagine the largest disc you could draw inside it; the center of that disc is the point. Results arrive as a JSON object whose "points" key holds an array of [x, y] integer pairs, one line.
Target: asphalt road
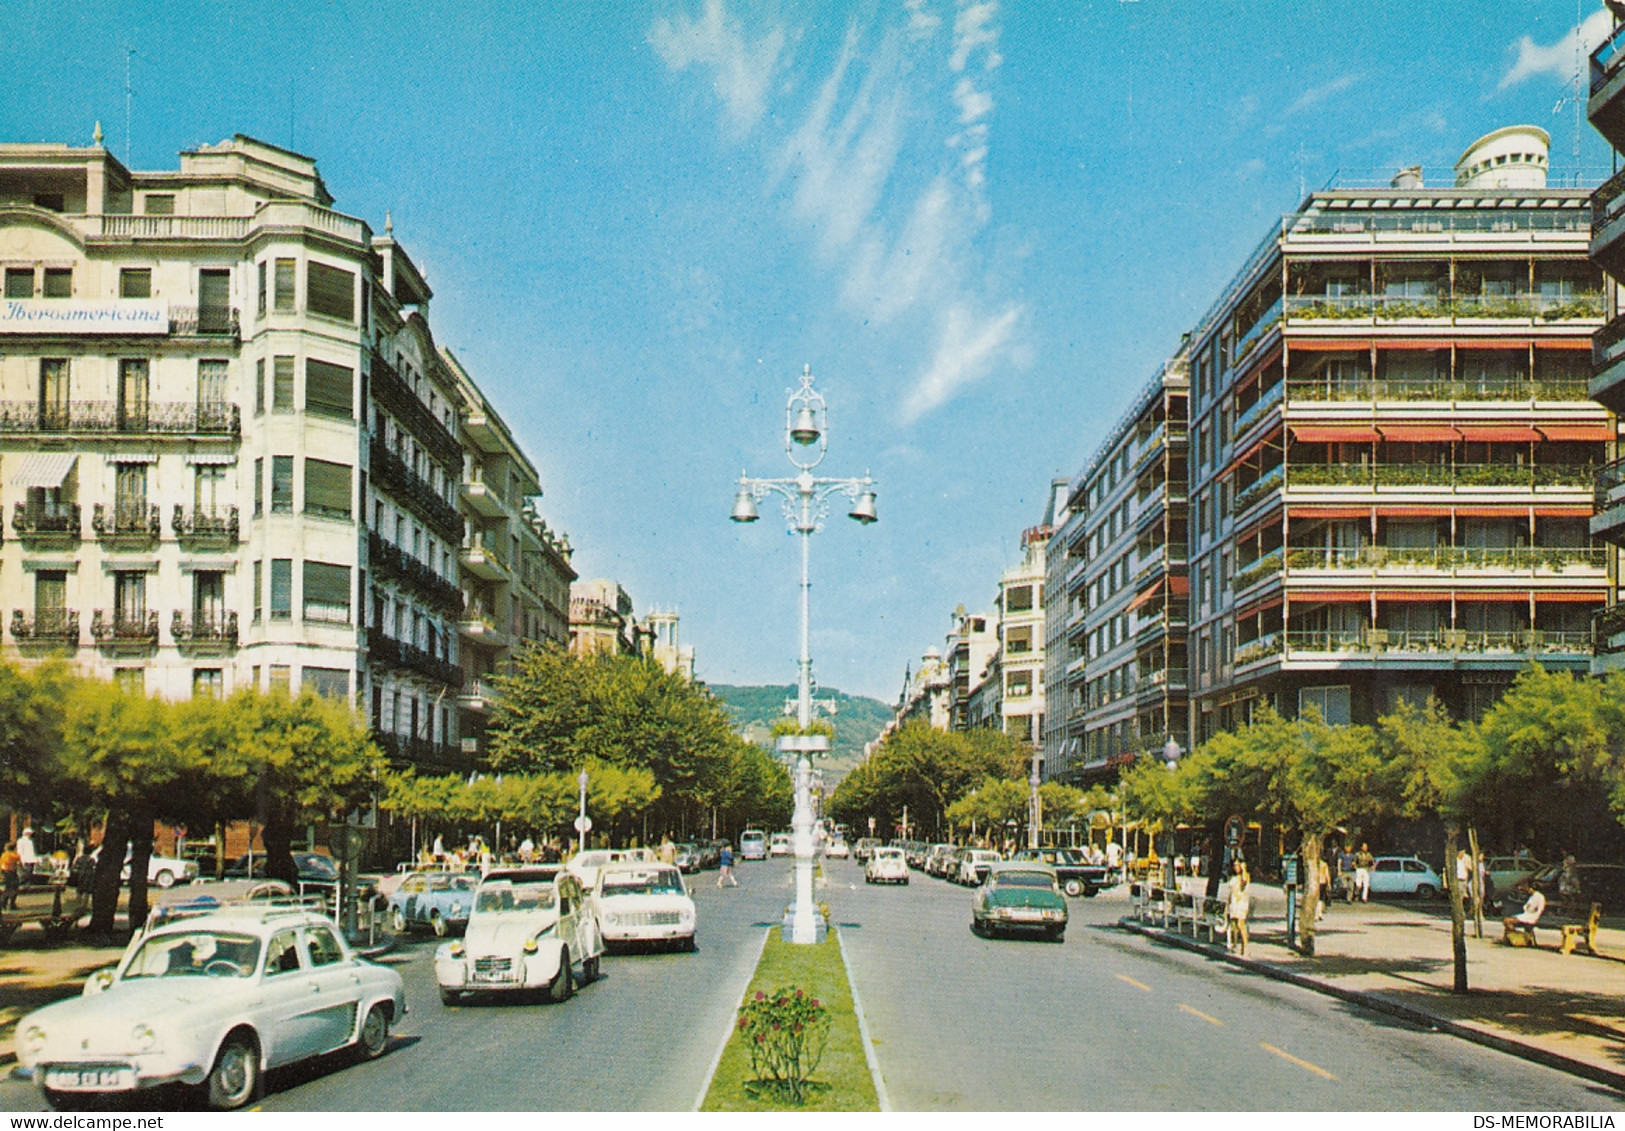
{"points": [[1107, 1020]]}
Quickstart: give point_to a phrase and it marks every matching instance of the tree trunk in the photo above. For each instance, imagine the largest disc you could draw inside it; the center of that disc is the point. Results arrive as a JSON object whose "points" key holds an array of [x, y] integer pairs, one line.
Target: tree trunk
{"points": [[1309, 886], [140, 854], [1213, 853], [1475, 884], [277, 836], [109, 866], [1458, 926]]}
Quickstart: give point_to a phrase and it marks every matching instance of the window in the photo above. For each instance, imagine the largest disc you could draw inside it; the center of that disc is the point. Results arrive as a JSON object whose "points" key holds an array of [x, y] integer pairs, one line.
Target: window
{"points": [[1019, 684], [329, 389], [212, 375], [330, 291], [54, 406], [208, 683], [327, 592], [260, 301], [259, 387], [209, 490], [1333, 703], [19, 282], [282, 956], [281, 594], [130, 496], [135, 282], [159, 204], [131, 681], [324, 948], [1018, 640], [329, 683], [50, 591], [281, 678], [59, 282], [130, 596], [282, 385], [214, 302], [284, 286], [281, 484], [259, 595], [209, 597], [1018, 598], [133, 382], [259, 487], [327, 488]]}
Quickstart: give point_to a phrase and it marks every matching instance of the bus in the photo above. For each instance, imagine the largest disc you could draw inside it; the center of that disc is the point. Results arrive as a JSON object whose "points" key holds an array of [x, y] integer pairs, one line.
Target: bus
{"points": [[752, 845]]}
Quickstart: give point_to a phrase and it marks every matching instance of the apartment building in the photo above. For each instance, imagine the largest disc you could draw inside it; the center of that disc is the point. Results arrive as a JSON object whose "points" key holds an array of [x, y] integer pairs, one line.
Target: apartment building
{"points": [[601, 619], [1061, 716], [1019, 661], [1607, 113], [1126, 587], [1393, 447], [926, 693], [971, 645], [228, 443]]}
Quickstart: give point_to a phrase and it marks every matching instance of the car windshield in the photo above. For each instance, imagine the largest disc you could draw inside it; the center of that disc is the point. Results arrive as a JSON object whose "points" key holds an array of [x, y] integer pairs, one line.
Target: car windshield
{"points": [[501, 896], [645, 881], [452, 883], [1023, 880], [176, 954], [318, 866], [590, 860]]}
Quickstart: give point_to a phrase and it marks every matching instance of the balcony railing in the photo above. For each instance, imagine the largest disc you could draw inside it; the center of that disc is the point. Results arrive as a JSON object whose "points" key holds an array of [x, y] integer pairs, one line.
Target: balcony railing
{"points": [[1507, 475], [491, 548], [1525, 559], [1610, 478], [437, 756], [1438, 642], [57, 523], [207, 321], [1393, 308], [386, 651], [1437, 389], [1271, 397], [205, 524], [127, 522], [1608, 630], [46, 626], [395, 396], [208, 630], [390, 563], [391, 474], [1605, 60], [479, 688], [1263, 485], [1256, 571], [113, 626], [169, 418]]}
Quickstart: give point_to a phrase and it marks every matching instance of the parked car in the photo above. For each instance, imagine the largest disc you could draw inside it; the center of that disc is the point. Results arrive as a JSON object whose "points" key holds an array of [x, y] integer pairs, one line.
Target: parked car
{"points": [[639, 903], [948, 864], [752, 845], [213, 1000], [162, 871], [440, 901], [780, 845], [888, 865], [1075, 875], [1506, 872], [1404, 875], [529, 928], [1019, 895], [313, 867], [1598, 883], [838, 849], [974, 864], [687, 858], [933, 859]]}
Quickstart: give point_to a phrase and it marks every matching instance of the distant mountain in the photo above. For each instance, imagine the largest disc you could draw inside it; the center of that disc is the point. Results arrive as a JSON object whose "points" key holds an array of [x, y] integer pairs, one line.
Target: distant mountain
{"points": [[858, 721]]}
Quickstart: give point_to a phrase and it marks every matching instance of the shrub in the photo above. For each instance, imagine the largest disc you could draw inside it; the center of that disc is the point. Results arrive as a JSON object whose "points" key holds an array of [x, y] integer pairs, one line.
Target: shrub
{"points": [[785, 1034]]}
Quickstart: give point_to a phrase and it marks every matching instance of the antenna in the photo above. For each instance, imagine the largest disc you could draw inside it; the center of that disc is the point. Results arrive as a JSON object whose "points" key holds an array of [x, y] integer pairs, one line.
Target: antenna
{"points": [[129, 54], [1576, 99]]}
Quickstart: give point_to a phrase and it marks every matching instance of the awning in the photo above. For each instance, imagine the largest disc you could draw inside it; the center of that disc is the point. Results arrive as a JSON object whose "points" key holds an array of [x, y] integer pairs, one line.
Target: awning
{"points": [[1317, 434], [1412, 596], [1335, 596], [211, 459], [1564, 344], [1339, 345], [1329, 512], [1497, 597], [1144, 598], [1493, 344], [133, 457], [1261, 607], [1591, 432], [1414, 343], [1499, 512], [1497, 435], [1179, 585], [1558, 596], [1413, 512], [1563, 512], [1420, 433], [44, 469]]}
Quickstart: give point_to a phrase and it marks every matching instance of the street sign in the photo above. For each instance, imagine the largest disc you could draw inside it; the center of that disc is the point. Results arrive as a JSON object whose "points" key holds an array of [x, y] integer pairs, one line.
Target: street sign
{"points": [[583, 824]]}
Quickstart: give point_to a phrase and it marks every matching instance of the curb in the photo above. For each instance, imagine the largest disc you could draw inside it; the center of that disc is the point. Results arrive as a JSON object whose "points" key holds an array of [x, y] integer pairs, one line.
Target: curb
{"points": [[882, 1097], [1378, 1004]]}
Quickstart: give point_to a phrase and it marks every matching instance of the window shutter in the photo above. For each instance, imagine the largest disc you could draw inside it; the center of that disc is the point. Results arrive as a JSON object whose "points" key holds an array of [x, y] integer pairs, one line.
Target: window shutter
{"points": [[281, 484], [284, 285], [281, 588], [327, 592], [327, 488], [282, 391], [329, 388], [330, 291]]}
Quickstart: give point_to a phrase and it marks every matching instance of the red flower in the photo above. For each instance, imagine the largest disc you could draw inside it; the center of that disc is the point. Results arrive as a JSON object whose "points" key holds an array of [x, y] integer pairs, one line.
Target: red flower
{"points": [[798, 993], [760, 996], [758, 1038], [815, 1003], [798, 1028]]}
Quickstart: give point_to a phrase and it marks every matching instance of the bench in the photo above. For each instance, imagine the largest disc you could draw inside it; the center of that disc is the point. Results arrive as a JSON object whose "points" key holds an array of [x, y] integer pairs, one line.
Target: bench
{"points": [[1582, 935], [1213, 919], [1183, 909], [1515, 932]]}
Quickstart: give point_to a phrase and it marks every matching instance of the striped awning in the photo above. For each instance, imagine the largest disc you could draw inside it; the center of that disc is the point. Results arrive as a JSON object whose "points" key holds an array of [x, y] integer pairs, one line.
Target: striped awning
{"points": [[212, 459], [44, 469]]}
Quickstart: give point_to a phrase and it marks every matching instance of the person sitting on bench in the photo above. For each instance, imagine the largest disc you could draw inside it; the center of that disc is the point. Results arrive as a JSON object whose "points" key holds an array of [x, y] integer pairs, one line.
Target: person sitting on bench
{"points": [[1524, 922]]}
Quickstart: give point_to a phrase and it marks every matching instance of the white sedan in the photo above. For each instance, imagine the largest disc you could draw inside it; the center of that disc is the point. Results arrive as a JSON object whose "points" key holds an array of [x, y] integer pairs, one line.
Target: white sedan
{"points": [[529, 929], [644, 903], [887, 866], [213, 1000], [837, 850], [974, 865]]}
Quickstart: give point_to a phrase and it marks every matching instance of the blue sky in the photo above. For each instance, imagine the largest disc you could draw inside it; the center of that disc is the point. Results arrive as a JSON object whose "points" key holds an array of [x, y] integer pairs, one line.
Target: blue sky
{"points": [[983, 225]]}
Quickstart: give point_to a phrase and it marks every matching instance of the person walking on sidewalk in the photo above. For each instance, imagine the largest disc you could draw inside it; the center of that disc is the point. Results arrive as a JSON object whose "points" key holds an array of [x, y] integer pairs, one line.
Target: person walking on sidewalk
{"points": [[1323, 891], [1238, 905], [1363, 860], [1345, 872], [11, 873], [726, 863]]}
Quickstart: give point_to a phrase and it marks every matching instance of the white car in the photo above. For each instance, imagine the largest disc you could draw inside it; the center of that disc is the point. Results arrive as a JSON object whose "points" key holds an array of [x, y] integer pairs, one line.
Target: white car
{"points": [[837, 849], [887, 866], [644, 903], [529, 929], [974, 865], [162, 871], [584, 866], [780, 845], [214, 1000]]}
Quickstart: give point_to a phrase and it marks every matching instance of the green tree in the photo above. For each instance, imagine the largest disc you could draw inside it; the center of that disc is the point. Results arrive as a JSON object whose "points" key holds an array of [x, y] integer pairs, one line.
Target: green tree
{"points": [[927, 770]]}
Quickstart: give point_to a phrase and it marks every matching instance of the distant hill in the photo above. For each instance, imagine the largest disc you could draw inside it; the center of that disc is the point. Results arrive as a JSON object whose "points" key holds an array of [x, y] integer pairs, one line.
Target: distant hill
{"points": [[858, 721]]}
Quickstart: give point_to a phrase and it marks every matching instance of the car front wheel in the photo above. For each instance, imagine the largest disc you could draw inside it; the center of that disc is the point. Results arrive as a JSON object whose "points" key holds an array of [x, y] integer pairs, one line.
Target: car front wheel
{"points": [[397, 921], [165, 880], [437, 922], [235, 1077], [563, 984], [449, 996], [374, 1037]]}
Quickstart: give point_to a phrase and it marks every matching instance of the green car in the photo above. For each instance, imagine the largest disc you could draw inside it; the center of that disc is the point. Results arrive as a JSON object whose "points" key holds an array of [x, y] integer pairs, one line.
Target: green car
{"points": [[1019, 895]]}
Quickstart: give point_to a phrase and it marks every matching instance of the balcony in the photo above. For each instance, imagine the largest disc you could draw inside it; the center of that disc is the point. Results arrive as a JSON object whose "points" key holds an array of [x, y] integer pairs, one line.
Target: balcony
{"points": [[205, 322], [112, 628], [1450, 645], [1500, 560], [481, 628], [47, 627], [1530, 308], [106, 418], [58, 524], [1255, 571], [386, 651], [1509, 476], [1271, 480], [477, 695], [483, 497], [1608, 366], [1271, 397], [390, 563], [1609, 493], [1441, 390], [391, 475], [1608, 630], [208, 632], [205, 525], [423, 754], [482, 558], [1606, 106], [127, 525], [393, 395]]}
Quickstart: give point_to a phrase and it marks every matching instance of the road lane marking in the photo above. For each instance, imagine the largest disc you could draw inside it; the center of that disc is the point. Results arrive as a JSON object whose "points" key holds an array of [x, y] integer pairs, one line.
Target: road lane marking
{"points": [[1132, 982], [1284, 1055], [1203, 1016]]}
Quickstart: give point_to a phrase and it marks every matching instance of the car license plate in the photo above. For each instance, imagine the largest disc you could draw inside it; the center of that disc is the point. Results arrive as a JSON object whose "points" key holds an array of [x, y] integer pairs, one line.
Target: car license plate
{"points": [[96, 1078], [490, 976], [1028, 915]]}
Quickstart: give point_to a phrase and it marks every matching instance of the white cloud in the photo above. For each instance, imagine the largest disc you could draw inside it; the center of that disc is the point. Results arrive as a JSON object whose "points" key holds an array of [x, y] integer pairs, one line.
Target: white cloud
{"points": [[742, 71], [973, 28], [1315, 95], [1559, 59], [921, 21], [966, 350]]}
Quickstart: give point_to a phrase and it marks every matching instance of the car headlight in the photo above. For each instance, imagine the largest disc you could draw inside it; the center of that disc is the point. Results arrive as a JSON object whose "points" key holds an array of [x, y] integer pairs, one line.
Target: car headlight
{"points": [[33, 1038], [99, 981], [455, 949], [143, 1037], [530, 945]]}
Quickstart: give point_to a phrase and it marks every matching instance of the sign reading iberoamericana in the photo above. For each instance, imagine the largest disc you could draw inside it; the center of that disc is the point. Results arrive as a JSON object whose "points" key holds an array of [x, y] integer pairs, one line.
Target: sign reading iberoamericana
{"points": [[68, 316]]}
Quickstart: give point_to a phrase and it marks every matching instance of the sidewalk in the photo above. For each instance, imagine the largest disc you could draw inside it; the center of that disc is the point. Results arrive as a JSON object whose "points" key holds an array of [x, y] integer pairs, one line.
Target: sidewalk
{"points": [[1560, 1010], [36, 972]]}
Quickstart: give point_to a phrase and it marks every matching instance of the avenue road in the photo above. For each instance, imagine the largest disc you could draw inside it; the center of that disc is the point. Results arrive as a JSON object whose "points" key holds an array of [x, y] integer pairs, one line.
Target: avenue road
{"points": [[1105, 1020]]}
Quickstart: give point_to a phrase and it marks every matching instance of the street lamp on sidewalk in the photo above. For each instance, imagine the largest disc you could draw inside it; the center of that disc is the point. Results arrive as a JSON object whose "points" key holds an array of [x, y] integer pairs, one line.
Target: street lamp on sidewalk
{"points": [[806, 505], [1171, 753], [583, 822]]}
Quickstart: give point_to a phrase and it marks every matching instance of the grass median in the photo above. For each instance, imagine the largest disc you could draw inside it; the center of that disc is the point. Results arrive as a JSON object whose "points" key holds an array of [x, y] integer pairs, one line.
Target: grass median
{"points": [[842, 1082]]}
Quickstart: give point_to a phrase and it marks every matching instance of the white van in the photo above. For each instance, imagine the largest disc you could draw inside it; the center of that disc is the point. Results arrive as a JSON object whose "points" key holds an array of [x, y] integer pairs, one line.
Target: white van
{"points": [[753, 845]]}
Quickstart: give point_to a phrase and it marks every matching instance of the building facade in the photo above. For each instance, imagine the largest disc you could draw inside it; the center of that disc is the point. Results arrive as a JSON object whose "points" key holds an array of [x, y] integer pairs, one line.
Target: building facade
{"points": [[1019, 661], [601, 619]]}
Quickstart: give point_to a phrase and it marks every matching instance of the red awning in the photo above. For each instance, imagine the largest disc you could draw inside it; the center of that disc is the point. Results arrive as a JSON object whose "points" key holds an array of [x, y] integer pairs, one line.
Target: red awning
{"points": [[1329, 512], [1318, 434], [1149, 595], [1341, 345], [1562, 512], [1262, 364], [1585, 432], [1261, 607], [1272, 520], [1413, 512], [1498, 435], [1564, 344], [1498, 597], [1496, 512], [1411, 596], [1414, 343], [1273, 438], [1179, 585], [1593, 598], [1493, 344], [1342, 596], [1420, 433]]}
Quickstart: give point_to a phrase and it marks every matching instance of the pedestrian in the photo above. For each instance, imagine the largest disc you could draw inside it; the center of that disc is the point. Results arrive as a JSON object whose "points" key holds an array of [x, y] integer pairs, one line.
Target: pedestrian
{"points": [[1238, 905], [1464, 875], [11, 875], [1568, 881], [1345, 871], [25, 849], [668, 850], [1526, 919], [527, 850], [1363, 860], [1114, 855], [1323, 888], [726, 863], [439, 847]]}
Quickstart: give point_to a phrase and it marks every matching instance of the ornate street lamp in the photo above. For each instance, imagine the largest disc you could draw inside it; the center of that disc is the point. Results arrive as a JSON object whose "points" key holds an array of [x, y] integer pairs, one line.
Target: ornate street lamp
{"points": [[806, 505], [583, 822], [1171, 753]]}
